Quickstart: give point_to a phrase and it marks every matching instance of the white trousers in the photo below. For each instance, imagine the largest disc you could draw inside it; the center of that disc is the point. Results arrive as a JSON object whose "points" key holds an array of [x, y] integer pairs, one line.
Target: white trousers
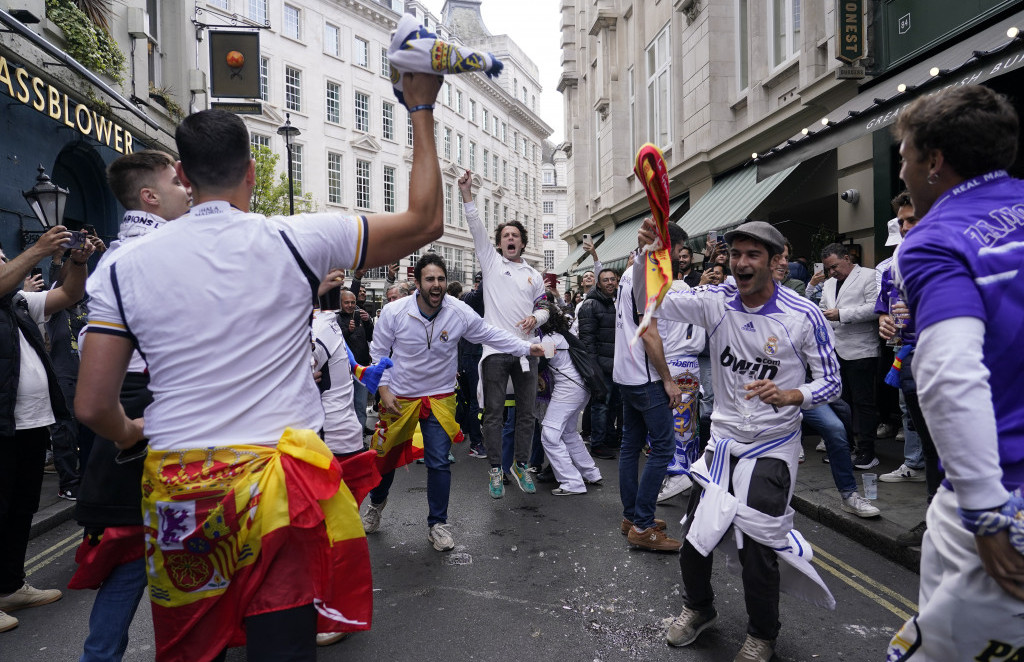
{"points": [[964, 614], [563, 445]]}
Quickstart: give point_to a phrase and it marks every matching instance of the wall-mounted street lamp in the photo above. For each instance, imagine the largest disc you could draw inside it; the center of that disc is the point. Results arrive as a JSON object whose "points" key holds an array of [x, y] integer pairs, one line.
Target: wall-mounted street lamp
{"points": [[289, 132], [47, 201]]}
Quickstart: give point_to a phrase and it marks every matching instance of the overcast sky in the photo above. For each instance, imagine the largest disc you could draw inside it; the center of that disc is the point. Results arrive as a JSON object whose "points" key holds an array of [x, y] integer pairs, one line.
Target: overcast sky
{"points": [[534, 25]]}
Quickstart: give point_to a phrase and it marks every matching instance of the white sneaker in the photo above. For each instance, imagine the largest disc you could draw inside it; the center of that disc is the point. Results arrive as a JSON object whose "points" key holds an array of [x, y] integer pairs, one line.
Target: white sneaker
{"points": [[859, 506], [7, 622], [441, 538], [903, 475], [371, 518], [673, 485], [885, 430], [901, 436], [29, 596], [821, 448], [800, 459], [328, 638]]}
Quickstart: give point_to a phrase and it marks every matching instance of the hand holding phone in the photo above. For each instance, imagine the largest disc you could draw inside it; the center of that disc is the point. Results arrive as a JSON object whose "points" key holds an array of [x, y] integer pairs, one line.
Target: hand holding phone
{"points": [[588, 242], [78, 240]]}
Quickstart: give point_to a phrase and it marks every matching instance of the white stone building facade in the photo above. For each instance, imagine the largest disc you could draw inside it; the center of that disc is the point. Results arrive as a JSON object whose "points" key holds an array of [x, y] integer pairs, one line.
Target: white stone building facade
{"points": [[325, 64]]}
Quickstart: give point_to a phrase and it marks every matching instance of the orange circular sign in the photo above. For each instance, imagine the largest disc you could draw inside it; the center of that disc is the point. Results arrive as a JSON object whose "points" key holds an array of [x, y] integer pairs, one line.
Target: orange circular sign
{"points": [[235, 59]]}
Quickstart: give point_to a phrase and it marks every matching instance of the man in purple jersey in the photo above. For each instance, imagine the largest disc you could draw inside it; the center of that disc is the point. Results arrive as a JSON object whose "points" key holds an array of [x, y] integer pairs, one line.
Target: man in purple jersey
{"points": [[959, 269]]}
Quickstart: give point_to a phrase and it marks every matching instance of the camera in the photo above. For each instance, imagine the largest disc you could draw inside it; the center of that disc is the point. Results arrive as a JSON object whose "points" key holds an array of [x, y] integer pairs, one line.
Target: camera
{"points": [[850, 195]]}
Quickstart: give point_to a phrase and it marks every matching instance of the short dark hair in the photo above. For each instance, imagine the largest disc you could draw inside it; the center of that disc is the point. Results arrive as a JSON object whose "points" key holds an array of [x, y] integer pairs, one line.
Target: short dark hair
{"points": [[455, 289], [515, 224], [789, 248], [676, 234], [973, 126], [426, 260], [688, 250], [901, 200], [838, 250], [214, 149], [723, 267], [131, 173], [604, 270]]}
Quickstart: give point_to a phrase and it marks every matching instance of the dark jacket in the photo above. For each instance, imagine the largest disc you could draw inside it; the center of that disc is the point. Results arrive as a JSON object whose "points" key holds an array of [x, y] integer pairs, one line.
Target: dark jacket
{"points": [[110, 493], [597, 328], [14, 315], [358, 340]]}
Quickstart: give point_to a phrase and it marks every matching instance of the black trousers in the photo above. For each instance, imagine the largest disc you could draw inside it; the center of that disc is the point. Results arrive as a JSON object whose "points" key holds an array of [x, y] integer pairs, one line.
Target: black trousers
{"points": [[859, 391], [769, 492], [21, 479], [933, 474], [288, 635]]}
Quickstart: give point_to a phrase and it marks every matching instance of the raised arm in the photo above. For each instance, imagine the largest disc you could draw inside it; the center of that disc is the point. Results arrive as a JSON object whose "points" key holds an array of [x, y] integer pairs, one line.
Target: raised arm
{"points": [[394, 236], [13, 272], [485, 251]]}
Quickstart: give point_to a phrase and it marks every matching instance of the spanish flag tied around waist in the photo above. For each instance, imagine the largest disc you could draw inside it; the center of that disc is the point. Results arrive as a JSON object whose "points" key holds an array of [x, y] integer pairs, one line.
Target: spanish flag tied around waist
{"points": [[397, 439], [650, 169], [414, 49], [244, 530]]}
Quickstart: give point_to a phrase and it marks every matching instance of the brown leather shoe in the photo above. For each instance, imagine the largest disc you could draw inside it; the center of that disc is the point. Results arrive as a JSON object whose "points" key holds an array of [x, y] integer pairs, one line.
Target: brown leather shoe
{"points": [[653, 539], [627, 525]]}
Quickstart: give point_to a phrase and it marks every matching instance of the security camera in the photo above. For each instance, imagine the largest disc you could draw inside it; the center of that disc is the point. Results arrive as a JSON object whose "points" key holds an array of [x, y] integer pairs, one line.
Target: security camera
{"points": [[850, 195]]}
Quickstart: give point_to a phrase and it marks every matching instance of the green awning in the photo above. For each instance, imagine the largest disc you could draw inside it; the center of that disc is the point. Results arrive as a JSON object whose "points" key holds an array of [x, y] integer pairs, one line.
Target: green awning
{"points": [[731, 200]]}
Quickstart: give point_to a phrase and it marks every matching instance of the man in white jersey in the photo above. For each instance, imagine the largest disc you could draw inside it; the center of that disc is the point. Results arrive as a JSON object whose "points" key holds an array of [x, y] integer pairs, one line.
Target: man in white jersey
{"points": [[421, 334], [251, 409], [147, 186], [763, 337], [513, 291], [649, 396]]}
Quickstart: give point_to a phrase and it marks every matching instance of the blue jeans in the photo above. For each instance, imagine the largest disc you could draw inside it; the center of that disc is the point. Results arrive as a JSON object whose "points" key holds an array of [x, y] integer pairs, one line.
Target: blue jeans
{"points": [[436, 445], [913, 454], [112, 612], [359, 397], [823, 421], [645, 411]]}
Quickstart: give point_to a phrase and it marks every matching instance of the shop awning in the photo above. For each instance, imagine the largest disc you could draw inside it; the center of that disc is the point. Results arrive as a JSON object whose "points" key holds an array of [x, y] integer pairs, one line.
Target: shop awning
{"points": [[974, 60], [730, 200]]}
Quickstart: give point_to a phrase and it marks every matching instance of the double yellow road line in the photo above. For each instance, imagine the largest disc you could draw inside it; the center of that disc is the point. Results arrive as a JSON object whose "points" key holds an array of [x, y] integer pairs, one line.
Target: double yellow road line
{"points": [[873, 590], [48, 556]]}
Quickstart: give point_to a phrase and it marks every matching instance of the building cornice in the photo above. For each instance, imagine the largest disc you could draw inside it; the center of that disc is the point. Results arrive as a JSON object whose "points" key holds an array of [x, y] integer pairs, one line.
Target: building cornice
{"points": [[513, 107]]}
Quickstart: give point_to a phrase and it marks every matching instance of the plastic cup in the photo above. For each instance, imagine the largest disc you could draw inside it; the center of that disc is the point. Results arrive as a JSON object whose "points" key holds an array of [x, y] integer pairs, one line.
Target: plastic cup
{"points": [[549, 349], [870, 486]]}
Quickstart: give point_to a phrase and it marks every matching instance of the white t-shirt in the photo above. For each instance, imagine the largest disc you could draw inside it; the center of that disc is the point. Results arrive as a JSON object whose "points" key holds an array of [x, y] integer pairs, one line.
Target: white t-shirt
{"points": [[220, 308], [32, 409], [342, 431], [631, 367], [510, 288], [681, 340]]}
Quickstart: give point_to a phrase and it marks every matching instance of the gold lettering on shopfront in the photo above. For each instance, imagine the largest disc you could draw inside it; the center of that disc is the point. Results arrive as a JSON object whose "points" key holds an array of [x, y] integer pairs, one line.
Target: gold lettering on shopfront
{"points": [[35, 92]]}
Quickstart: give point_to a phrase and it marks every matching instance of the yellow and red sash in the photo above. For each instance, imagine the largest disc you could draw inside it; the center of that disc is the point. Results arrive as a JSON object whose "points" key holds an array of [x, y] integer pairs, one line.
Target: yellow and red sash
{"points": [[650, 169], [243, 530], [397, 438]]}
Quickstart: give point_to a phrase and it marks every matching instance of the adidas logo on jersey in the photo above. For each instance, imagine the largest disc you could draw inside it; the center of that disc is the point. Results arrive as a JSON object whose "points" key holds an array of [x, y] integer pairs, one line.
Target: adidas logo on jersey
{"points": [[759, 368], [749, 326]]}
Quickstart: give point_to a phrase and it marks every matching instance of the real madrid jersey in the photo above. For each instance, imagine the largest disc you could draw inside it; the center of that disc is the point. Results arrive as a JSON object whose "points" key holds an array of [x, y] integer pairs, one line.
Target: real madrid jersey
{"points": [[342, 431], [778, 341], [218, 303]]}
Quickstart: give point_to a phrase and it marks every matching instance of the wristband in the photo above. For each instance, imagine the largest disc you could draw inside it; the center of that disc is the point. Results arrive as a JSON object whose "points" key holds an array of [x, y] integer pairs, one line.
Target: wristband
{"points": [[421, 107]]}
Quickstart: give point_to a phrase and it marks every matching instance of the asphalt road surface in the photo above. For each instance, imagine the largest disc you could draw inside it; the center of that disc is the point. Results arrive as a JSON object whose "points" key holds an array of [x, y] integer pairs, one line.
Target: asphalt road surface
{"points": [[532, 577]]}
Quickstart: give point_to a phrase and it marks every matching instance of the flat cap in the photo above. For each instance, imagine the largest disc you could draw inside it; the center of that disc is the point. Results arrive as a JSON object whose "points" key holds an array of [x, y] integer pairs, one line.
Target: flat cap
{"points": [[761, 231]]}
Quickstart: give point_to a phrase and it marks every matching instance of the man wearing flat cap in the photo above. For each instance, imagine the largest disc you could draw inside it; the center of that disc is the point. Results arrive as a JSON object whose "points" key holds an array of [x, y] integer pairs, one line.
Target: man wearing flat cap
{"points": [[762, 336]]}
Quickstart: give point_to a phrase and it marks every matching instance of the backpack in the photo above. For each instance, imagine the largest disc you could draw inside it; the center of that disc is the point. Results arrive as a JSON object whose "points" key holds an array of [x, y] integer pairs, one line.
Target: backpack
{"points": [[586, 365]]}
